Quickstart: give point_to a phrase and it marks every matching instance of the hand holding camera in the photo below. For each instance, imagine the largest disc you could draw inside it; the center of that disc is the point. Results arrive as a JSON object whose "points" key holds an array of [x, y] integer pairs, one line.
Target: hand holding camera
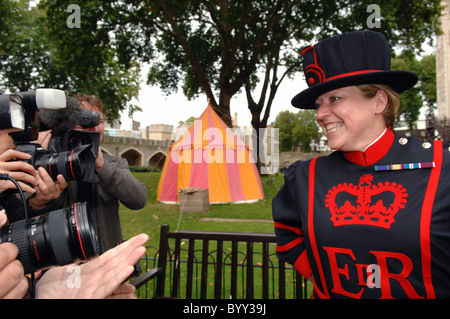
{"points": [[15, 284], [21, 171], [47, 189], [65, 235], [61, 236], [69, 154]]}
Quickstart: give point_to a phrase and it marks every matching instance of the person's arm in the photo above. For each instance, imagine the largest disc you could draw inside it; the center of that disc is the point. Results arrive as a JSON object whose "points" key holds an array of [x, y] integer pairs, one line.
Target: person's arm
{"points": [[116, 179], [290, 240]]}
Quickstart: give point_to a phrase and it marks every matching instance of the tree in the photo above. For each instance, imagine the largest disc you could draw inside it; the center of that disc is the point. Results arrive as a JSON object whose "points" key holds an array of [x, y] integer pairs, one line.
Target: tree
{"points": [[219, 47], [191, 119], [89, 55], [412, 100], [212, 47], [294, 129], [40, 49], [306, 129], [428, 82], [285, 122], [24, 56]]}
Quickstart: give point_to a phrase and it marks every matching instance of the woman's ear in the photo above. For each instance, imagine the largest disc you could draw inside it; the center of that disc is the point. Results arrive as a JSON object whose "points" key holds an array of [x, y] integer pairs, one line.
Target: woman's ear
{"points": [[381, 99]]}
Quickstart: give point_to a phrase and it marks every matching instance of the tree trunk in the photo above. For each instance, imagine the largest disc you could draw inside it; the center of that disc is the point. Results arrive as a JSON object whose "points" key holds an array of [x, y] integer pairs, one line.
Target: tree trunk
{"points": [[223, 108]]}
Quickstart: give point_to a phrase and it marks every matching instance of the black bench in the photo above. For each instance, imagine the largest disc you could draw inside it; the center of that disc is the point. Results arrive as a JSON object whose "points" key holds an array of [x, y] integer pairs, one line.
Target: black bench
{"points": [[216, 260]]}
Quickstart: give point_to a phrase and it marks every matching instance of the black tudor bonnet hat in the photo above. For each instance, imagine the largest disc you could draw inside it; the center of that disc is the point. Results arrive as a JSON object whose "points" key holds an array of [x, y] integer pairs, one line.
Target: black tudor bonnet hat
{"points": [[354, 58]]}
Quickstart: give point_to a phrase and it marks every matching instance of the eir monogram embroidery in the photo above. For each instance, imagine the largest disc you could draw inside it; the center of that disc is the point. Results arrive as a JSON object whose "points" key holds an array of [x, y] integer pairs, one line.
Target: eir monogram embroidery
{"points": [[366, 212]]}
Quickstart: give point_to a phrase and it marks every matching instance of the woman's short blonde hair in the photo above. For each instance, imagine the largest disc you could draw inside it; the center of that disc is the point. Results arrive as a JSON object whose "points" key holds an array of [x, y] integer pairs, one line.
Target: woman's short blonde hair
{"points": [[392, 109]]}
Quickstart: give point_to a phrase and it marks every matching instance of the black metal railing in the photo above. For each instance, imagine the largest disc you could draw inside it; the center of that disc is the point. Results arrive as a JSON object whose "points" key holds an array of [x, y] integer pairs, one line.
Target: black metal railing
{"points": [[220, 265]]}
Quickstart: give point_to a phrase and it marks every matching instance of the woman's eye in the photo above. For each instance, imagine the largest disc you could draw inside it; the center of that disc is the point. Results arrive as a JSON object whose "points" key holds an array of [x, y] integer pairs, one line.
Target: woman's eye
{"points": [[334, 98]]}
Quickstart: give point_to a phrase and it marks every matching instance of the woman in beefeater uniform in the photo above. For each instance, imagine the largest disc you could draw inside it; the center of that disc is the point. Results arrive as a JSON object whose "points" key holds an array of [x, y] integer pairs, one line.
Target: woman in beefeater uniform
{"points": [[371, 220]]}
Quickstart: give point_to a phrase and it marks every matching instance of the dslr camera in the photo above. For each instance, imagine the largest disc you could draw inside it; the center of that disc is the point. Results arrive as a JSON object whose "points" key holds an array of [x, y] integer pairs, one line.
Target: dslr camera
{"points": [[61, 236], [20, 111], [66, 139]]}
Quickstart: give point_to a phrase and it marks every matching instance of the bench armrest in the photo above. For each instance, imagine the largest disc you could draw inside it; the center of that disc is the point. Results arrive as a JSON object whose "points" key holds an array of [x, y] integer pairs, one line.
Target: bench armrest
{"points": [[141, 280]]}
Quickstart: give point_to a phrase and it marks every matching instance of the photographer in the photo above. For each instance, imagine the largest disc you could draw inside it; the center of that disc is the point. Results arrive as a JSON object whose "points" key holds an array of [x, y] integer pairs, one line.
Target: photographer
{"points": [[61, 236], [116, 183], [81, 124], [35, 182]]}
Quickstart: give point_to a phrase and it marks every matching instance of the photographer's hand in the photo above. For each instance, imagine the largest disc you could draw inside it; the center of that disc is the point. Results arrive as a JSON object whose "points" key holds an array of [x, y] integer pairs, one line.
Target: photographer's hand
{"points": [[13, 283], [101, 277], [99, 161], [125, 291], [47, 189], [19, 170], [44, 138]]}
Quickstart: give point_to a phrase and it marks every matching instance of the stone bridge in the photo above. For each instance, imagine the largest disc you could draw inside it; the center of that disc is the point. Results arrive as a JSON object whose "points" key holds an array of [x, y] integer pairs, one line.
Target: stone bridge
{"points": [[138, 152]]}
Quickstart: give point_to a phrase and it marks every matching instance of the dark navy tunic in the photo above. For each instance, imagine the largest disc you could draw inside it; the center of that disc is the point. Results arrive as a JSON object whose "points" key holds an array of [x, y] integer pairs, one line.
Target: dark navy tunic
{"points": [[369, 225]]}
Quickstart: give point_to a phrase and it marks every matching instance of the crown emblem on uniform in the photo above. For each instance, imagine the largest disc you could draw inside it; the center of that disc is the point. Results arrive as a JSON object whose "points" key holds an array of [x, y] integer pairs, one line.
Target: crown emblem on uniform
{"points": [[368, 207]]}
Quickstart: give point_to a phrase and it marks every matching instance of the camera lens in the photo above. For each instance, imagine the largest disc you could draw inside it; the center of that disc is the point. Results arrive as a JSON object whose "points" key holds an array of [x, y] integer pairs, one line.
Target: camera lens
{"points": [[57, 238], [77, 164]]}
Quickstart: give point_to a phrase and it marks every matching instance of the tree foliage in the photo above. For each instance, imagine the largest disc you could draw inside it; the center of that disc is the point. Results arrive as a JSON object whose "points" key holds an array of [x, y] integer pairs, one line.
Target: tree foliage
{"points": [[296, 129], [215, 48], [424, 93], [39, 49], [220, 47], [24, 57]]}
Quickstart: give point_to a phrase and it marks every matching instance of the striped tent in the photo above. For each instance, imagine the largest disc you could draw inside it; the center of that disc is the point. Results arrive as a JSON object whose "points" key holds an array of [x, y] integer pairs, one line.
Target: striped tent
{"points": [[210, 156]]}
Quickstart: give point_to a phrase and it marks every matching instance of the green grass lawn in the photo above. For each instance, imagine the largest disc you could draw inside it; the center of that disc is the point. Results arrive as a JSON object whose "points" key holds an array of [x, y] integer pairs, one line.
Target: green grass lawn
{"points": [[149, 219]]}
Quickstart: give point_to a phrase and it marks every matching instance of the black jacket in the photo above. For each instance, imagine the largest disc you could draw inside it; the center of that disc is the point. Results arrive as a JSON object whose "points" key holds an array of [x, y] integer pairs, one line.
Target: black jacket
{"points": [[366, 228]]}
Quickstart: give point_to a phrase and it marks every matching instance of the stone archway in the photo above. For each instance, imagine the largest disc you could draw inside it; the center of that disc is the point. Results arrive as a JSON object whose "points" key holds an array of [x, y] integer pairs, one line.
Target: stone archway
{"points": [[133, 156], [105, 150], [157, 160]]}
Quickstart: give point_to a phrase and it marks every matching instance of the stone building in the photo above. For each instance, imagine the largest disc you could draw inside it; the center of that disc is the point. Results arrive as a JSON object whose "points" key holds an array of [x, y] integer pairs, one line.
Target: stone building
{"points": [[443, 65]]}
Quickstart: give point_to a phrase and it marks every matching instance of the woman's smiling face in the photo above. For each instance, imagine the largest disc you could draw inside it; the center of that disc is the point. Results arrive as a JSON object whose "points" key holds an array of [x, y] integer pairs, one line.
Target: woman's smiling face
{"points": [[349, 120]]}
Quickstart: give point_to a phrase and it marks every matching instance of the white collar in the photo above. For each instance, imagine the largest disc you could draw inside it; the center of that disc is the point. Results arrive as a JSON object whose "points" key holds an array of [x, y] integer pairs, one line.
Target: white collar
{"points": [[375, 140]]}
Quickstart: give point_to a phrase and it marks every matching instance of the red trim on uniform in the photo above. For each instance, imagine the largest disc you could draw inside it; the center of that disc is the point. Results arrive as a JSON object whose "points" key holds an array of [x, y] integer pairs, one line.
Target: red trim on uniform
{"points": [[312, 236], [352, 73], [314, 51], [293, 229], [311, 47], [425, 221], [290, 245], [374, 152], [302, 265]]}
